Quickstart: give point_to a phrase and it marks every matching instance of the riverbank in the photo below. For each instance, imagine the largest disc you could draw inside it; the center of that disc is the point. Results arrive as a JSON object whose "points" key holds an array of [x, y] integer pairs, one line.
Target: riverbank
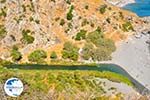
{"points": [[120, 3], [134, 56], [109, 68], [42, 83]]}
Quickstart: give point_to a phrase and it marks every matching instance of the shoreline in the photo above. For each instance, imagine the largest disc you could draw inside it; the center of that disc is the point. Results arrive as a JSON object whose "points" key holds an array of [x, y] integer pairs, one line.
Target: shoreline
{"points": [[121, 3], [134, 55]]}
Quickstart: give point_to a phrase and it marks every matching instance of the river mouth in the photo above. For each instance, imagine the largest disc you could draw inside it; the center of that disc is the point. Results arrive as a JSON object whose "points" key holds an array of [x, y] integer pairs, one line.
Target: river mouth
{"points": [[99, 67]]}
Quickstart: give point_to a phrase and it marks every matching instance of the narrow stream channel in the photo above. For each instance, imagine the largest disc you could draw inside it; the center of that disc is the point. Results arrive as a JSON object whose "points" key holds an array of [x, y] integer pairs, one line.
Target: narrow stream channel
{"points": [[100, 67]]}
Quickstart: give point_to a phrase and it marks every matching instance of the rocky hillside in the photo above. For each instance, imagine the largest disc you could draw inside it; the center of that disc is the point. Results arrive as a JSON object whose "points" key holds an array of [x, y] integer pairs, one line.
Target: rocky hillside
{"points": [[28, 25]]}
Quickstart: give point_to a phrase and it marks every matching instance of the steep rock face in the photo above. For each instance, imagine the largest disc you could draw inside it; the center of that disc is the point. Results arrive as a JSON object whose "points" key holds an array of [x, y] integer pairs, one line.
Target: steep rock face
{"points": [[46, 21]]}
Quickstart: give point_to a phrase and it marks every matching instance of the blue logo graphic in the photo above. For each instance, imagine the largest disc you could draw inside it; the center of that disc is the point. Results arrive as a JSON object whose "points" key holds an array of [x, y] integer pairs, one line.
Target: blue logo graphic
{"points": [[13, 87]]}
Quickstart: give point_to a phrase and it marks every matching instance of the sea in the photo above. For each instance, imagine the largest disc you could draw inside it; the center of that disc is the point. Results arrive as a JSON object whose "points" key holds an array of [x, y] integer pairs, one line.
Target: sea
{"points": [[141, 8]]}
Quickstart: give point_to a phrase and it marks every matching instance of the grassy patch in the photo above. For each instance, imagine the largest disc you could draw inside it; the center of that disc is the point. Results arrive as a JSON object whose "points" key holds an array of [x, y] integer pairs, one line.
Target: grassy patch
{"points": [[43, 79]]}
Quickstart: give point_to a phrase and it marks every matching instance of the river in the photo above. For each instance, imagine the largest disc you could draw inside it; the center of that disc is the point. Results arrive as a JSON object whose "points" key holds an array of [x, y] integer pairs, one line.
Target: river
{"points": [[100, 67]]}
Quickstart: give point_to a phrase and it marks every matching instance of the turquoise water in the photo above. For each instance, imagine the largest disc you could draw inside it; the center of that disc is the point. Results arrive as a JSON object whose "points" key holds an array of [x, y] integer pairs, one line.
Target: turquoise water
{"points": [[141, 7]]}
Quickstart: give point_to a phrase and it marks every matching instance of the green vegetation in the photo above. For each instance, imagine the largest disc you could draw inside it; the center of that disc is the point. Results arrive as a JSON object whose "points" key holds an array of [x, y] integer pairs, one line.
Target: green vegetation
{"points": [[102, 9], [18, 19], [37, 21], [3, 31], [81, 35], [70, 51], [100, 54], [121, 15], [109, 8], [95, 37], [69, 14], [31, 19], [31, 6], [37, 56], [53, 55], [86, 7], [2, 1], [108, 20], [87, 51], [53, 1], [28, 39], [62, 22], [99, 47], [40, 82], [3, 12], [84, 22], [24, 8], [70, 25], [80, 80], [68, 2], [15, 54], [127, 26]]}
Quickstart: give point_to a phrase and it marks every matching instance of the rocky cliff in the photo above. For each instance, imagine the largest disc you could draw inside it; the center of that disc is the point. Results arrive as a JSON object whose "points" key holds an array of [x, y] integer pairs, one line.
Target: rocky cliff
{"points": [[48, 24]]}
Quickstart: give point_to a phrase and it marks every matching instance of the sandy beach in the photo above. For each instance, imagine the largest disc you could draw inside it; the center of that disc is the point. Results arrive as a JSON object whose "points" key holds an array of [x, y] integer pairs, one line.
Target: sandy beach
{"points": [[134, 56]]}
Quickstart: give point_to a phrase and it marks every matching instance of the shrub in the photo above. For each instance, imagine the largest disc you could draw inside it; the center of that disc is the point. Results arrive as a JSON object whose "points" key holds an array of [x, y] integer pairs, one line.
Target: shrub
{"points": [[3, 12], [37, 56], [2, 1], [108, 20], [87, 51], [37, 21], [101, 54], [81, 35], [70, 26], [31, 7], [24, 8], [84, 22], [86, 7], [95, 37], [3, 31], [103, 46], [69, 14], [121, 15], [27, 38], [68, 2], [109, 44], [102, 9], [109, 8], [127, 27], [15, 54], [31, 19], [70, 51], [53, 55], [53, 1], [62, 22]]}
